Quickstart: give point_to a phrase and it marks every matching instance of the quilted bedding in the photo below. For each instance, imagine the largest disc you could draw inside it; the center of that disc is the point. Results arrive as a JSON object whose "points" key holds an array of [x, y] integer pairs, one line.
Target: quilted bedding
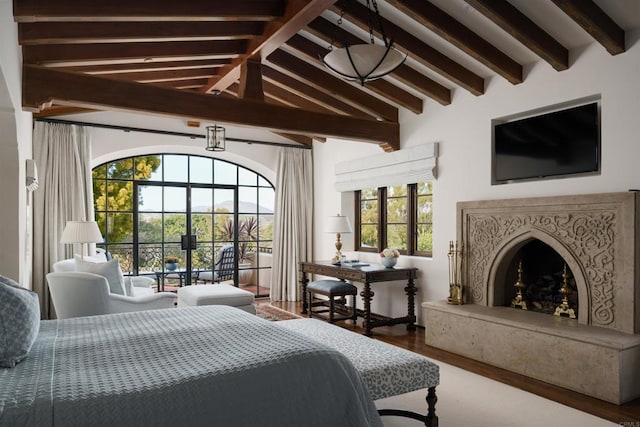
{"points": [[212, 365]]}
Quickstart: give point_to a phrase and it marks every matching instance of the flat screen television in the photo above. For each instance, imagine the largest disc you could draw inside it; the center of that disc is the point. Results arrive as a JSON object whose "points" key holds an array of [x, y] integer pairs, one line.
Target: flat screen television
{"points": [[556, 144]]}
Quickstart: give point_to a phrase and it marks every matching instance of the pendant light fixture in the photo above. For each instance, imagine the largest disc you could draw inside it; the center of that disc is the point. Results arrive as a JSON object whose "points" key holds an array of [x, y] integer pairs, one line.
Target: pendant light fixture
{"points": [[367, 61], [215, 138]]}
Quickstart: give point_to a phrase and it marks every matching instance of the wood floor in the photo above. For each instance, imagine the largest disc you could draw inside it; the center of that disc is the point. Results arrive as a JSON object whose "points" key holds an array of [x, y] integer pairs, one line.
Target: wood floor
{"points": [[627, 414]]}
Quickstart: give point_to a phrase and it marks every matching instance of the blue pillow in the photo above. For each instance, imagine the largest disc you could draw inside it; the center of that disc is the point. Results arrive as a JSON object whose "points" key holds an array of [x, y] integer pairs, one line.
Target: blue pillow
{"points": [[19, 321]]}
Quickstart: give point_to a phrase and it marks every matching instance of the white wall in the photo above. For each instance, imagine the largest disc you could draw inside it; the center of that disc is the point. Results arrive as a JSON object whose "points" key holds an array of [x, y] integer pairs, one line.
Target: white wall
{"points": [[109, 144], [463, 130], [15, 148]]}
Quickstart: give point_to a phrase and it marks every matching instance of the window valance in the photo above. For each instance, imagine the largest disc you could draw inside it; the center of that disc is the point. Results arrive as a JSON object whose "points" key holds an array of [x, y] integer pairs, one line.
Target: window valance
{"points": [[406, 166]]}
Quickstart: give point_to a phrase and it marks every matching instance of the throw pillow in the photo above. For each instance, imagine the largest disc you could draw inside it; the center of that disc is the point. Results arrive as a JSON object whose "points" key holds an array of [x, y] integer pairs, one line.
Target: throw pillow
{"points": [[110, 270], [19, 321]]}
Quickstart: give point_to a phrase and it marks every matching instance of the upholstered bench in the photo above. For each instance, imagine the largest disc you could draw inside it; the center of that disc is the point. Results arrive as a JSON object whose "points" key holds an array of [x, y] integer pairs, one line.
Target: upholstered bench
{"points": [[216, 295], [331, 289], [386, 369]]}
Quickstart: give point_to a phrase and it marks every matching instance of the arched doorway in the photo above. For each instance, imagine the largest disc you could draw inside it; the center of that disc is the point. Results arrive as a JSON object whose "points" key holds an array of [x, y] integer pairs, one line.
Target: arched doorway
{"points": [[158, 206]]}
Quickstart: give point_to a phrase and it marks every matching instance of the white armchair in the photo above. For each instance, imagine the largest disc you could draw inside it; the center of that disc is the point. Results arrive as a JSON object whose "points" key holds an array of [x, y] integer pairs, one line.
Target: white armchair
{"points": [[139, 285], [77, 294]]}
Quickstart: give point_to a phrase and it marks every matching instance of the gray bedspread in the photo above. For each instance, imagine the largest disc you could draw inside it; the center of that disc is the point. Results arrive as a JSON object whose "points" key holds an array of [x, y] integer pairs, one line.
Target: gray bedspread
{"points": [[213, 366]]}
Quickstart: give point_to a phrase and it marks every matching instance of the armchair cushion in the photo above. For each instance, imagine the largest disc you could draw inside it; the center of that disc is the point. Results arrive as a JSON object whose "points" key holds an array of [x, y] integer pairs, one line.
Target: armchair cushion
{"points": [[110, 270], [19, 321]]}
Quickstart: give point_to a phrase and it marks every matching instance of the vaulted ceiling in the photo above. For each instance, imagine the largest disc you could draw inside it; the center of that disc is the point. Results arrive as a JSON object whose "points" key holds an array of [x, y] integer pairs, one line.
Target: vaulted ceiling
{"points": [[257, 62]]}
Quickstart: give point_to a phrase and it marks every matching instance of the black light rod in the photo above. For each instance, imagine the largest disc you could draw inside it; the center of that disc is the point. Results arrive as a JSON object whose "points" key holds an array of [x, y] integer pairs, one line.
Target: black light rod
{"points": [[166, 132]]}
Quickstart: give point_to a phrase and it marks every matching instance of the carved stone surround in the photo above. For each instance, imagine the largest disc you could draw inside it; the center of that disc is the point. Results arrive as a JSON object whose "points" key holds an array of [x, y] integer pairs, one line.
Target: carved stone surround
{"points": [[597, 236]]}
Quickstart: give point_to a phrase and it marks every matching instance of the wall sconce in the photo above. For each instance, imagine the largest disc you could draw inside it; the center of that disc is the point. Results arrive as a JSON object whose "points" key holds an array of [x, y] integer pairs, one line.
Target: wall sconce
{"points": [[215, 138]]}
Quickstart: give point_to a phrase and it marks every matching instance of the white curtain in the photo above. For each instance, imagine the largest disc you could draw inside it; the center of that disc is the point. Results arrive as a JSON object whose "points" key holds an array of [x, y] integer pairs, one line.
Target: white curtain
{"points": [[63, 155], [293, 231]]}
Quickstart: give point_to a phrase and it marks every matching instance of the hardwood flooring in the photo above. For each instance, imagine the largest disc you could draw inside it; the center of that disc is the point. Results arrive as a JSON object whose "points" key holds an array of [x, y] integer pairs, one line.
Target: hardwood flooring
{"points": [[626, 415]]}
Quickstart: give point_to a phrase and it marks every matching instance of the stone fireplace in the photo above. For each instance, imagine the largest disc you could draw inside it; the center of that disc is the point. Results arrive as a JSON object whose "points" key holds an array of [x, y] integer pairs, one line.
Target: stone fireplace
{"points": [[595, 237]]}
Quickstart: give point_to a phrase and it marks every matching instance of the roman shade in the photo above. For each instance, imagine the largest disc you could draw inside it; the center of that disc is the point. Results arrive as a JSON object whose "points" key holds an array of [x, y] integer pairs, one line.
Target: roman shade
{"points": [[406, 166]]}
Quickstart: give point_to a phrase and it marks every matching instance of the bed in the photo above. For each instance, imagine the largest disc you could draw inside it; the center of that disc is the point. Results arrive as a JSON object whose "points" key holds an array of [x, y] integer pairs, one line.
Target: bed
{"points": [[211, 365]]}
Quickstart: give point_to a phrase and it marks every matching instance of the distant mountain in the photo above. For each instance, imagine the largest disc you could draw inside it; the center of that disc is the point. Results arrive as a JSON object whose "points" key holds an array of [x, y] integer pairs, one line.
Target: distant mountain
{"points": [[243, 207]]}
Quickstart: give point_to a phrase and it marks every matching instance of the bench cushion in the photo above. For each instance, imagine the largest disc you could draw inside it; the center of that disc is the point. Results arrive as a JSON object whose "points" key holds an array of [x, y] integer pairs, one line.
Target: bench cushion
{"points": [[332, 287], [387, 370], [214, 295]]}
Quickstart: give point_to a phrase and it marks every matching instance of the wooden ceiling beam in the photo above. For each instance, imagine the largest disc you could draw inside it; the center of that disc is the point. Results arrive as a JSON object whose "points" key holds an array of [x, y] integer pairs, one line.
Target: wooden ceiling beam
{"points": [[146, 10], [417, 49], [596, 22], [297, 14], [250, 86], [523, 29], [44, 86], [164, 75], [318, 96], [282, 96], [300, 139], [145, 66], [338, 88], [181, 84], [329, 32], [143, 51], [128, 32], [62, 110], [381, 87], [463, 38]]}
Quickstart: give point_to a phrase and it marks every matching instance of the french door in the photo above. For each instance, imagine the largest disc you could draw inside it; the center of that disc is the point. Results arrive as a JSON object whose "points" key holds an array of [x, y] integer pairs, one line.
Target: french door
{"points": [[186, 221]]}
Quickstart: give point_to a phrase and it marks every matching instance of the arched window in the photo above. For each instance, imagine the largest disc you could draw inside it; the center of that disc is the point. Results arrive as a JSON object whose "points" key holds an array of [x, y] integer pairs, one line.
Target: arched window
{"points": [[159, 206]]}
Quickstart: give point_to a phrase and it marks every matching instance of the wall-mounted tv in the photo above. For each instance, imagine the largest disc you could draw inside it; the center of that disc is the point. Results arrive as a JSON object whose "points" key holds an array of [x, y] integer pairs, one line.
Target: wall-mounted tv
{"points": [[556, 144]]}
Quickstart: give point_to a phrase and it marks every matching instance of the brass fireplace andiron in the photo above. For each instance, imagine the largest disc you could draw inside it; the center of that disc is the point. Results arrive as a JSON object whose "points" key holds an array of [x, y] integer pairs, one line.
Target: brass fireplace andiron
{"points": [[563, 309], [455, 271], [518, 301]]}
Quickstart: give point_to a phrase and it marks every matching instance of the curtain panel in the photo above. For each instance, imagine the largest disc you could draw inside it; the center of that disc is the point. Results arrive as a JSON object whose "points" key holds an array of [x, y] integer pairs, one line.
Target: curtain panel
{"points": [[63, 155], [293, 230]]}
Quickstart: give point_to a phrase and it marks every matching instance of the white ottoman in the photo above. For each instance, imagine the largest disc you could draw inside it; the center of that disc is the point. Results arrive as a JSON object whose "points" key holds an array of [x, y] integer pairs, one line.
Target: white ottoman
{"points": [[216, 295]]}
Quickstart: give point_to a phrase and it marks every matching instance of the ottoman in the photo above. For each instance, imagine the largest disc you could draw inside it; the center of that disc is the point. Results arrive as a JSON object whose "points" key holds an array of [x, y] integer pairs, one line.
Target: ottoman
{"points": [[332, 289], [216, 295]]}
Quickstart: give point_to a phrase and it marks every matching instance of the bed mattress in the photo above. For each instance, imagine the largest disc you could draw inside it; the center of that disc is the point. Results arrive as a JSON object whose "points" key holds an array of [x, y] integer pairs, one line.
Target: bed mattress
{"points": [[210, 365]]}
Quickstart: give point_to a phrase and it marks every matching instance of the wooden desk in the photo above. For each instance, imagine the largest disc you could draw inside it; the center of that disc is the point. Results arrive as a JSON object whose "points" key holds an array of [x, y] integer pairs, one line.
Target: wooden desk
{"points": [[370, 274]]}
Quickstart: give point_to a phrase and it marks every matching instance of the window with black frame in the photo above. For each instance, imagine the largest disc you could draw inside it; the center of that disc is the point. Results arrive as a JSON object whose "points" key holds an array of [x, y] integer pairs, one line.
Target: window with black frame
{"points": [[399, 216], [160, 207]]}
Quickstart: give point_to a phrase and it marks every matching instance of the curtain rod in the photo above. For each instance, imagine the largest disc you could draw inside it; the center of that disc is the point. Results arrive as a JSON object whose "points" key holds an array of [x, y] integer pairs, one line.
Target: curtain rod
{"points": [[166, 132]]}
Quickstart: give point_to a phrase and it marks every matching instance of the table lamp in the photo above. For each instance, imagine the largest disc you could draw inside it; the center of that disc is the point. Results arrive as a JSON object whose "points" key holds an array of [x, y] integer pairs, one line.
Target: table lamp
{"points": [[338, 224], [81, 232]]}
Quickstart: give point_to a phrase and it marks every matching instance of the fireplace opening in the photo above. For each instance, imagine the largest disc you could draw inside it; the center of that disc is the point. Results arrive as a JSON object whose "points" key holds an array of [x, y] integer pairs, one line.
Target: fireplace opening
{"points": [[534, 280]]}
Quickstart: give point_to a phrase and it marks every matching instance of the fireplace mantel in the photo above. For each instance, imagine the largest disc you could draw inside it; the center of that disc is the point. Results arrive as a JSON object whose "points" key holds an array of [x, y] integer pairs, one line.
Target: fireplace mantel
{"points": [[597, 236]]}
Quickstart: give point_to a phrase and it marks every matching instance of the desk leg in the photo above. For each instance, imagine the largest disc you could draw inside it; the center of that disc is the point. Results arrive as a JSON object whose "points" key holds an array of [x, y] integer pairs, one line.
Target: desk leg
{"points": [[367, 296], [411, 314], [304, 280]]}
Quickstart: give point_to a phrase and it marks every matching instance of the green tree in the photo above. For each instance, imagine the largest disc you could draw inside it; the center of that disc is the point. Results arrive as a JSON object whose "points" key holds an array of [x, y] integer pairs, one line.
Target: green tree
{"points": [[117, 194]]}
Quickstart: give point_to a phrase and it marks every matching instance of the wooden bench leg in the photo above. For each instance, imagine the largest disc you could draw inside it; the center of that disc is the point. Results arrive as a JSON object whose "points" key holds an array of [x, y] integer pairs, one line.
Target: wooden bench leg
{"points": [[430, 420]]}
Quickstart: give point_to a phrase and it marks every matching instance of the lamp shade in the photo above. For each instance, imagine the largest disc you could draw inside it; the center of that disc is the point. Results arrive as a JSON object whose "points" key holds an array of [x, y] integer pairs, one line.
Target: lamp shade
{"points": [[363, 62], [81, 232], [338, 224]]}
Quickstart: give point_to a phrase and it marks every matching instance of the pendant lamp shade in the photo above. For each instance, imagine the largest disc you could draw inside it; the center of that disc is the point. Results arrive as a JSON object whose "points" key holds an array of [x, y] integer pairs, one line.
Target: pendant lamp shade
{"points": [[363, 62]]}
